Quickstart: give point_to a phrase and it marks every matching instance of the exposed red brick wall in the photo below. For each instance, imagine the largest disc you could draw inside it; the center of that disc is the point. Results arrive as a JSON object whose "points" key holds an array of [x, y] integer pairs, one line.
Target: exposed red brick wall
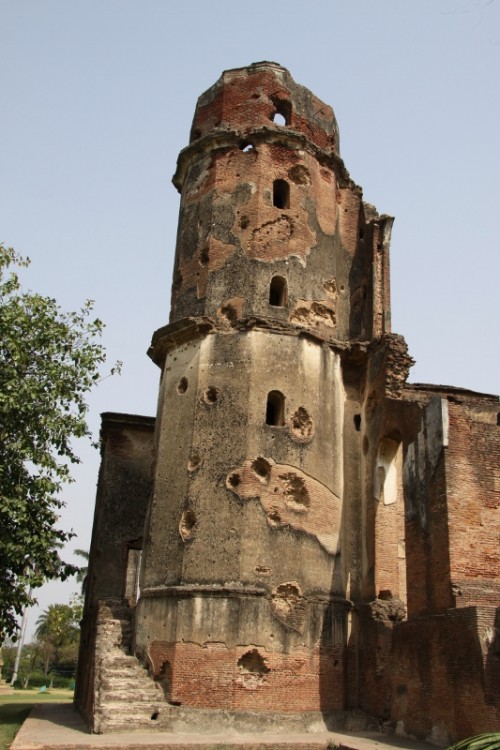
{"points": [[209, 676], [247, 101], [349, 207], [375, 665], [473, 484], [438, 678]]}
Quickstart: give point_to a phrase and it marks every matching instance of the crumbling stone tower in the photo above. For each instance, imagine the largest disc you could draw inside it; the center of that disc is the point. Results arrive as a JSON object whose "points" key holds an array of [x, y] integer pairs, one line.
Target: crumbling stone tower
{"points": [[293, 483], [247, 566]]}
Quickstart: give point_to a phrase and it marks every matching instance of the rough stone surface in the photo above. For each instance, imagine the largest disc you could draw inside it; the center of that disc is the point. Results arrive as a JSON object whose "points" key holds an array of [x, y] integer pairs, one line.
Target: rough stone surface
{"points": [[314, 535]]}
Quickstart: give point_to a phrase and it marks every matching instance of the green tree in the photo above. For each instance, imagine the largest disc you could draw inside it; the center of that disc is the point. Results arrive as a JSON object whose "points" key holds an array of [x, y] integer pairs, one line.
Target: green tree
{"points": [[58, 634], [49, 361]]}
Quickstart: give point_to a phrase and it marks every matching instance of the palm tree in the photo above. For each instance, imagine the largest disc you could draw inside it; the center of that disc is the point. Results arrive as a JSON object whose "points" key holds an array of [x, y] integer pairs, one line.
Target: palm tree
{"points": [[56, 629], [81, 576]]}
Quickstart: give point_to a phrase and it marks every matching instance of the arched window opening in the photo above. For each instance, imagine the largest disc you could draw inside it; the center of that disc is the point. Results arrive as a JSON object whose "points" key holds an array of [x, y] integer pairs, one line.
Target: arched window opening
{"points": [[281, 194], [386, 476], [278, 293], [275, 409], [282, 115]]}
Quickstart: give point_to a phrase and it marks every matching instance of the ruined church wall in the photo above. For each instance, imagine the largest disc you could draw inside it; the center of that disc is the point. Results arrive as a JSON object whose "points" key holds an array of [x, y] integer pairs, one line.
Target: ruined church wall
{"points": [[123, 493]]}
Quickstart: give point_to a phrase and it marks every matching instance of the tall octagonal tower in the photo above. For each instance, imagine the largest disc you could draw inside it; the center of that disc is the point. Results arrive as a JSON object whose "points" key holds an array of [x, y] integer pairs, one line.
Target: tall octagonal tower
{"points": [[247, 569]]}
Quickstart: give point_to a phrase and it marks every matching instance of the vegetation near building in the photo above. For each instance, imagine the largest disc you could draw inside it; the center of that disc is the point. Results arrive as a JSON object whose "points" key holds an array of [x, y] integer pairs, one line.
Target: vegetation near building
{"points": [[49, 361], [52, 656]]}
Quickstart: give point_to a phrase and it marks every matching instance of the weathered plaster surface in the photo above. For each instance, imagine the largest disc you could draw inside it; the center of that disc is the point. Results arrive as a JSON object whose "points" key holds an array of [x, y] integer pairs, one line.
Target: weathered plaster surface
{"points": [[290, 498]]}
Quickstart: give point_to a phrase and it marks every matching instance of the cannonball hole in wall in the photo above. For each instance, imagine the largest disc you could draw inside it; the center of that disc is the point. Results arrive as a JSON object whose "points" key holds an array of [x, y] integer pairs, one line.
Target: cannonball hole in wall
{"points": [[246, 147], [194, 462], [182, 386], [282, 114], [281, 194], [275, 409], [204, 256], [234, 480], [211, 395], [262, 468], [253, 662], [278, 292], [187, 525]]}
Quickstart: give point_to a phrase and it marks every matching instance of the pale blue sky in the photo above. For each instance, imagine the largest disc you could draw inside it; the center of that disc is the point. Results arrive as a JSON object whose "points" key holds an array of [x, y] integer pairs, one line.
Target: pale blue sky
{"points": [[98, 98]]}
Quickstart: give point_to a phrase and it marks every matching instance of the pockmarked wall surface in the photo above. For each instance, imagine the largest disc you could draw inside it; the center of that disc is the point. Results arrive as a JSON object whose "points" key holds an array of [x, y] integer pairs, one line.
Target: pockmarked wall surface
{"points": [[301, 532]]}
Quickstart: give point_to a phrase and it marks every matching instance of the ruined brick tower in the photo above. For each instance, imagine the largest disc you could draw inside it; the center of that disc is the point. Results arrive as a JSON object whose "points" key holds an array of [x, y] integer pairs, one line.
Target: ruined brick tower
{"points": [[245, 560], [293, 510]]}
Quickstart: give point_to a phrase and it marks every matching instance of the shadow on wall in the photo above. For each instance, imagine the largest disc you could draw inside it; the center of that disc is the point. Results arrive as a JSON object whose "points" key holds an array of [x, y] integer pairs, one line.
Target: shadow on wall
{"points": [[333, 669]]}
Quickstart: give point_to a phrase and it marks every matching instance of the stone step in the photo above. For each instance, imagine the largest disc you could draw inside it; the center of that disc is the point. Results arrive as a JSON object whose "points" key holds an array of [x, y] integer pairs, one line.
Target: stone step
{"points": [[115, 621], [115, 626], [126, 683], [117, 695], [119, 659], [113, 676], [129, 713], [126, 670], [121, 630], [121, 680]]}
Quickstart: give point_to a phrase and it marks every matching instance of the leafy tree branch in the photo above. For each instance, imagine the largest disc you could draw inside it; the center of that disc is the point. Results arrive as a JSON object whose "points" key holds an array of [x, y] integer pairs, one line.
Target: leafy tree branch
{"points": [[49, 362]]}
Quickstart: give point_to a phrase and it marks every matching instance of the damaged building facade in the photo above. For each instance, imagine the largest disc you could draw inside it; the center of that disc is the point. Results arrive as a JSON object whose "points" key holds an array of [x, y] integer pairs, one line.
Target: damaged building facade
{"points": [[300, 533]]}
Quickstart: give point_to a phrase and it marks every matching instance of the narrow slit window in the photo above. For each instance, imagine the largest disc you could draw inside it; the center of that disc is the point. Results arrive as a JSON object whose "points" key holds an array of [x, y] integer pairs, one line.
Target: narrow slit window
{"points": [[275, 409], [281, 194], [278, 293]]}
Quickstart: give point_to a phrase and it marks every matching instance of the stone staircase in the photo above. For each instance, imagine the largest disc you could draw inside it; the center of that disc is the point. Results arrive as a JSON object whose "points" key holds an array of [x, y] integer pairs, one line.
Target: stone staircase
{"points": [[125, 695], [127, 699]]}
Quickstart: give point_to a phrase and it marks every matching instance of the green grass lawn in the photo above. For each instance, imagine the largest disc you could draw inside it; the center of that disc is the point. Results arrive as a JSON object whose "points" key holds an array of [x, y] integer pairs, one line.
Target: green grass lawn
{"points": [[15, 708]]}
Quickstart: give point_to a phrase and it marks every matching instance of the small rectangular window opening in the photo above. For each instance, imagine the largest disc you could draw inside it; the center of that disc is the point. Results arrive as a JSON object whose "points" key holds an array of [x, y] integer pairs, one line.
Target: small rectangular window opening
{"points": [[278, 296], [281, 194], [275, 409]]}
